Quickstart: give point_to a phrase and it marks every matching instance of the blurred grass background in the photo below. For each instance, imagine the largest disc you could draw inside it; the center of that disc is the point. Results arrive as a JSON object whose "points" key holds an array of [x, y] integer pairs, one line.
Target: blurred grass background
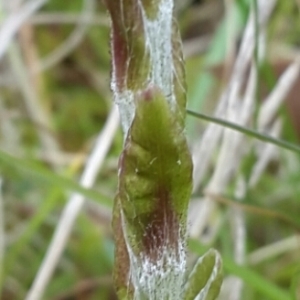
{"points": [[50, 119]]}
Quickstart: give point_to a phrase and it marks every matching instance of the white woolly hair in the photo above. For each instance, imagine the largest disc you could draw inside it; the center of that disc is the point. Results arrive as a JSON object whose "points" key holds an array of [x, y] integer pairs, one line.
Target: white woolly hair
{"points": [[158, 39], [160, 279]]}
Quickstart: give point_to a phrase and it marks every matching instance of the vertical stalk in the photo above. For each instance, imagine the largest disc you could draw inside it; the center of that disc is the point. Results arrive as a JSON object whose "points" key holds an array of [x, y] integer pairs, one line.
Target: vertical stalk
{"points": [[155, 168]]}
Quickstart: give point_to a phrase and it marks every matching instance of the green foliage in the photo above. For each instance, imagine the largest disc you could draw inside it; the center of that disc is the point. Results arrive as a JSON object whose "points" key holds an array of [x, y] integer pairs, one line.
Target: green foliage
{"points": [[250, 132], [205, 278], [155, 167], [154, 186], [130, 59]]}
